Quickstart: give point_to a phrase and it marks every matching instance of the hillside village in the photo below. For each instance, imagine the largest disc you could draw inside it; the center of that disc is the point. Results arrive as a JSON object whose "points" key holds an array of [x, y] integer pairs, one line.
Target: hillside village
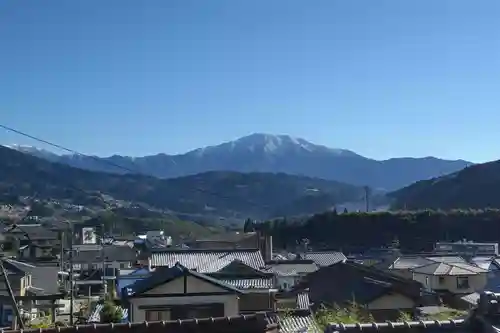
{"points": [[241, 277]]}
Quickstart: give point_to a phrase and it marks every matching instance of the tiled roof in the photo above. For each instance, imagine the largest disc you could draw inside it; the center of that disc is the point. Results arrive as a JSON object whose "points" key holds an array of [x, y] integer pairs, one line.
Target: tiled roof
{"points": [[448, 259], [33, 231], [258, 323], [111, 253], [472, 298], [326, 258], [364, 283], [295, 323], [440, 268], [250, 283], [95, 316], [164, 275], [207, 261], [303, 302], [410, 262], [400, 327], [44, 277], [291, 267]]}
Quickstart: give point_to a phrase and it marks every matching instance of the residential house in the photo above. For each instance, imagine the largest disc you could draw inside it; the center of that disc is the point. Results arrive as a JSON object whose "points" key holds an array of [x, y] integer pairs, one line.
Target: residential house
{"points": [[129, 277], [456, 278], [89, 259], [492, 265], [28, 282], [289, 272], [172, 293], [237, 269], [404, 265], [379, 292], [35, 241], [92, 257], [258, 286]]}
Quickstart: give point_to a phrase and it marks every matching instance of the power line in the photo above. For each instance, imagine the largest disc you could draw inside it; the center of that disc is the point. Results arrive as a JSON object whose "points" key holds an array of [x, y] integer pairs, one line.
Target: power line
{"points": [[104, 161]]}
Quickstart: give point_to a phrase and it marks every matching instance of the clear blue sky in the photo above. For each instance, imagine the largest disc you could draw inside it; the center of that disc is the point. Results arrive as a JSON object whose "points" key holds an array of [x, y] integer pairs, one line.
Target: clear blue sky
{"points": [[382, 78]]}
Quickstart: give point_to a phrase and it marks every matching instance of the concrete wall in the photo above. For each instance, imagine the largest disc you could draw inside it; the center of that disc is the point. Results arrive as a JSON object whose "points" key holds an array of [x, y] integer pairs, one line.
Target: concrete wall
{"points": [[449, 282]]}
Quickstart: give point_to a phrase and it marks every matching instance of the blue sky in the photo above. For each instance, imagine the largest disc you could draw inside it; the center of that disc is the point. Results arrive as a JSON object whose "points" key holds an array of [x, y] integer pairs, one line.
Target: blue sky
{"points": [[382, 78]]}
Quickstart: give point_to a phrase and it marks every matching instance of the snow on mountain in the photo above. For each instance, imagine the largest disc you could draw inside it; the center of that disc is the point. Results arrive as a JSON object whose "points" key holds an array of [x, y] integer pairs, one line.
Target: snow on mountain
{"points": [[35, 151], [272, 145], [269, 153]]}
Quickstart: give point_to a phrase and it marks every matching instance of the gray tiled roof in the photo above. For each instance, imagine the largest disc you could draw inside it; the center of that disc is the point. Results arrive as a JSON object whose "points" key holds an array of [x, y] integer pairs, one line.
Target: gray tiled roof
{"points": [[42, 277], [410, 262], [163, 275], [472, 298], [95, 316], [289, 269], [448, 259], [440, 268], [325, 258], [293, 323], [111, 253], [257, 283], [303, 302], [207, 261]]}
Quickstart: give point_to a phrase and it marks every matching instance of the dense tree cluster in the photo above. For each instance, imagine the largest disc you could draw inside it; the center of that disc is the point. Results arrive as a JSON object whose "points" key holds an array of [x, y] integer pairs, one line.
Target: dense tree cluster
{"points": [[413, 230]]}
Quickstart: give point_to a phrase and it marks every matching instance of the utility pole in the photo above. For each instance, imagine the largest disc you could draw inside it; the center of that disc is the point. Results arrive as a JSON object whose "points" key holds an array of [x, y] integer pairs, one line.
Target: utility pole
{"points": [[71, 282], [104, 284], [18, 317], [367, 197]]}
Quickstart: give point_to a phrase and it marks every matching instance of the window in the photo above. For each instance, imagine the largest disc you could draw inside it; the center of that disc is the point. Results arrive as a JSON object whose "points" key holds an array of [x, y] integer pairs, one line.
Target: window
{"points": [[441, 280], [463, 282], [157, 315], [201, 311]]}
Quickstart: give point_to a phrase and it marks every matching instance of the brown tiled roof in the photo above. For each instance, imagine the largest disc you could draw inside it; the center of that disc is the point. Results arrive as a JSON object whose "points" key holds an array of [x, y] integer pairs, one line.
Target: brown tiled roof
{"points": [[254, 323]]}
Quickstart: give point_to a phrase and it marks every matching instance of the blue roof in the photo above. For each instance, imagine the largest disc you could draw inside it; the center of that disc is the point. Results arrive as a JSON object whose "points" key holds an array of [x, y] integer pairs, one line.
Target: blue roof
{"points": [[126, 280]]}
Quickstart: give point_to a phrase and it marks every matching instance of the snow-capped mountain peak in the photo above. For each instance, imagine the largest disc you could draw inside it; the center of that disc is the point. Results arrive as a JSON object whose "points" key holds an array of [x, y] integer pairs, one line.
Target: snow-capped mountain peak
{"points": [[270, 144], [32, 150]]}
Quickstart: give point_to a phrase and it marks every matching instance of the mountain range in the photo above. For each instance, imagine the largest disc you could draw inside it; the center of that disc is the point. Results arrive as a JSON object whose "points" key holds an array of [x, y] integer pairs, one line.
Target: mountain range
{"points": [[269, 153], [475, 187], [218, 194]]}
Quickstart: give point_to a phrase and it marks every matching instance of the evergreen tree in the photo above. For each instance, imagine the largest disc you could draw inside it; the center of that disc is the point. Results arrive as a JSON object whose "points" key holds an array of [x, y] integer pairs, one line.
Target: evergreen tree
{"points": [[110, 313]]}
